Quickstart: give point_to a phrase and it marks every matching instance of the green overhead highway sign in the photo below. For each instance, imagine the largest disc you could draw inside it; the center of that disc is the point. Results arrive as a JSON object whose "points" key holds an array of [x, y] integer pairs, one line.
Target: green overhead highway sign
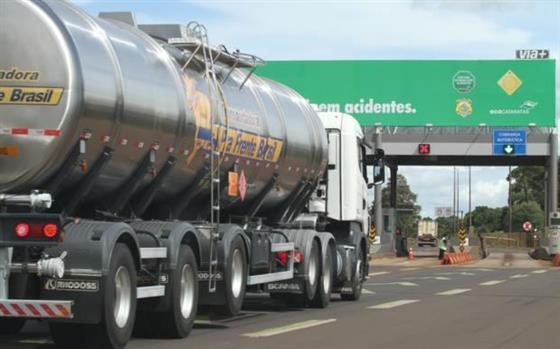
{"points": [[419, 93]]}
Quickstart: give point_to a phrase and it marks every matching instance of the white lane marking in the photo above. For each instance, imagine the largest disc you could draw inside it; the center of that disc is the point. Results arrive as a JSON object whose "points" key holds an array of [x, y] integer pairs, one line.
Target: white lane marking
{"points": [[365, 291], [453, 292], [401, 283], [408, 269], [378, 273], [491, 283], [427, 278], [35, 341], [518, 276], [456, 273], [288, 328], [394, 304], [540, 271], [403, 263]]}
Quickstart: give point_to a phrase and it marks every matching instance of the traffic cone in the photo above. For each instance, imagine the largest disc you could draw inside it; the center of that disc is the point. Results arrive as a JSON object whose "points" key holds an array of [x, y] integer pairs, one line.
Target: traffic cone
{"points": [[410, 254]]}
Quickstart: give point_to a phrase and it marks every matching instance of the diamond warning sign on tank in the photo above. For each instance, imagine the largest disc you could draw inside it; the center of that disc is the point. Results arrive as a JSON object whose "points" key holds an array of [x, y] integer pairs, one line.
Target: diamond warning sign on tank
{"points": [[30, 95], [242, 186]]}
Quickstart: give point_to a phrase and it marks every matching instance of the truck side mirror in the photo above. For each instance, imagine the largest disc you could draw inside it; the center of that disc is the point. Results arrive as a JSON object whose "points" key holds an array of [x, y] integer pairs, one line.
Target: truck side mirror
{"points": [[378, 173]]}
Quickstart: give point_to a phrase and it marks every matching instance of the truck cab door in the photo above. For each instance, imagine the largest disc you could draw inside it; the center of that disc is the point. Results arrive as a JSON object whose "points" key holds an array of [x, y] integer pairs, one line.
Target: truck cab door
{"points": [[334, 197]]}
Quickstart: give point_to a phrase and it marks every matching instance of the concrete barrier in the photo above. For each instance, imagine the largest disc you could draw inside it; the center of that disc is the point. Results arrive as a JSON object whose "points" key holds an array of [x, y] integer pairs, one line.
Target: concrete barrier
{"points": [[556, 260], [456, 258]]}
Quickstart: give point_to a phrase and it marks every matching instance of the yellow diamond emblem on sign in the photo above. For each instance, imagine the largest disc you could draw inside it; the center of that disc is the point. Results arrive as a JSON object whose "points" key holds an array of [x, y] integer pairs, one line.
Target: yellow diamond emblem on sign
{"points": [[510, 82]]}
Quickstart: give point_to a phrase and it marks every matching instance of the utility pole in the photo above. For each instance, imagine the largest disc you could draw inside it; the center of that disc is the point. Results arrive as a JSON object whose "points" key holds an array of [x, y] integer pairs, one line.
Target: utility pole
{"points": [[454, 199], [470, 200], [509, 200], [458, 199]]}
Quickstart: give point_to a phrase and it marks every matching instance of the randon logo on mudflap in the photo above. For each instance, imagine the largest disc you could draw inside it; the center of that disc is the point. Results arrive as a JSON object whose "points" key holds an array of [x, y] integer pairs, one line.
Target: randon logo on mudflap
{"points": [[72, 285], [205, 276]]}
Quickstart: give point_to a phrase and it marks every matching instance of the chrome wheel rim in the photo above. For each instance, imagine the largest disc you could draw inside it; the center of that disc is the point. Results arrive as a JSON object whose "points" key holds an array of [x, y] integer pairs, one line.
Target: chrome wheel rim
{"points": [[359, 271], [187, 291], [312, 271], [327, 276], [237, 273], [123, 297]]}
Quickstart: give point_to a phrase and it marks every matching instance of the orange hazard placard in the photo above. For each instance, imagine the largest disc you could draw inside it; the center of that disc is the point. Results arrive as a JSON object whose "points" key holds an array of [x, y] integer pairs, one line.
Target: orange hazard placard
{"points": [[9, 151], [233, 183]]}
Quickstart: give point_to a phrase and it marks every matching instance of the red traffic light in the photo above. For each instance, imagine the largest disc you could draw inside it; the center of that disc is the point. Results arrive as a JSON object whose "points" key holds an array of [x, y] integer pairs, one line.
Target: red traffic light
{"points": [[424, 148]]}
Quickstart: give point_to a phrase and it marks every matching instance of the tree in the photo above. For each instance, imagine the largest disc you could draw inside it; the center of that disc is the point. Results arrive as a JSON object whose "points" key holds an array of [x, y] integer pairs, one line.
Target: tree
{"points": [[527, 211], [445, 226], [407, 200], [487, 219], [528, 185]]}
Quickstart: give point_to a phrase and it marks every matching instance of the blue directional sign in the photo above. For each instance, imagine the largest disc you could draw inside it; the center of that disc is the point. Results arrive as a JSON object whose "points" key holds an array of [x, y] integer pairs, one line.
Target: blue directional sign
{"points": [[509, 142]]}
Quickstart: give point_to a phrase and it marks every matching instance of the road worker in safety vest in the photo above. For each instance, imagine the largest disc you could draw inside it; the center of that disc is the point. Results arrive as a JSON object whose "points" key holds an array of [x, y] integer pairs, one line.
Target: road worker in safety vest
{"points": [[442, 245]]}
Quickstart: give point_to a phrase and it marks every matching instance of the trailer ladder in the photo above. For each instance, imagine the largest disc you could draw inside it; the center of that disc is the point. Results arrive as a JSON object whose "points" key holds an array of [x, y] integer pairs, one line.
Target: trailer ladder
{"points": [[195, 40], [199, 32], [243, 62]]}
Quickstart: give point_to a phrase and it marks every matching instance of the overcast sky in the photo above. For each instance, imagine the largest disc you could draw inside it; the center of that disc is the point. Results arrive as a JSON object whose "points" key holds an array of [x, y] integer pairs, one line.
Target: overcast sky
{"points": [[353, 29]]}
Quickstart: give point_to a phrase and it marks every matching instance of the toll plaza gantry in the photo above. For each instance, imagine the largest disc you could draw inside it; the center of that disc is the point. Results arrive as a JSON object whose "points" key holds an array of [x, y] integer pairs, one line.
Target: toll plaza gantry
{"points": [[461, 146], [439, 112]]}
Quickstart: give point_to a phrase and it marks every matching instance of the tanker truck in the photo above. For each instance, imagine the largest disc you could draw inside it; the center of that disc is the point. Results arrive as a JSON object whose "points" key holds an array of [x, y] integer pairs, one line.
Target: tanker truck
{"points": [[145, 174]]}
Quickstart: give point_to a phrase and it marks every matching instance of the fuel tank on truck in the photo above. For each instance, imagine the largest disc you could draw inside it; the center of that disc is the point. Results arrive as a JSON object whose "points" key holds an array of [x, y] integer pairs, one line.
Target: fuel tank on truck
{"points": [[95, 110]]}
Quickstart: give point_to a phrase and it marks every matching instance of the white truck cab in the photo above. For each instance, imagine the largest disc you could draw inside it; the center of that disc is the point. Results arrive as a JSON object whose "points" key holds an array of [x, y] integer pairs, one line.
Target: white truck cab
{"points": [[344, 195], [342, 198]]}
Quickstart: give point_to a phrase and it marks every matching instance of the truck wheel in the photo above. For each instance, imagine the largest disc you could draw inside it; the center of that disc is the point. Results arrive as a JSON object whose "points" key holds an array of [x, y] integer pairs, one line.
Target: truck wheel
{"points": [[311, 281], [235, 278], [9, 326], [115, 329], [323, 295], [178, 321], [119, 310], [357, 280], [313, 270]]}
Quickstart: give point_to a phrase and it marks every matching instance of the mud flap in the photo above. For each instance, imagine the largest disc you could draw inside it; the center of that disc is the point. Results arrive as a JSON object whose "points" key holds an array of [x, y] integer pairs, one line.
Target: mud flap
{"points": [[294, 286]]}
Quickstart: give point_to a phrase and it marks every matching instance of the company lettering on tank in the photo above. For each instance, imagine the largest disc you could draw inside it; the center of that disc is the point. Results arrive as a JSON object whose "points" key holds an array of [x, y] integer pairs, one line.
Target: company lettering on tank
{"points": [[16, 74], [243, 144], [30, 95]]}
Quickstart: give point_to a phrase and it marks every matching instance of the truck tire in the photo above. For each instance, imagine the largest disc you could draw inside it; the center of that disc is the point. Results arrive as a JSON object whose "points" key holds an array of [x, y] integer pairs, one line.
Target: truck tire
{"points": [[119, 310], [235, 278], [357, 280], [310, 284], [177, 322], [324, 288], [9, 326], [313, 271]]}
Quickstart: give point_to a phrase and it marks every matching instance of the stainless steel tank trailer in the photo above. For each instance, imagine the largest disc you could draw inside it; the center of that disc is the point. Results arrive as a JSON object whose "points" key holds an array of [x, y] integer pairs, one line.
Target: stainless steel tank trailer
{"points": [[144, 173]]}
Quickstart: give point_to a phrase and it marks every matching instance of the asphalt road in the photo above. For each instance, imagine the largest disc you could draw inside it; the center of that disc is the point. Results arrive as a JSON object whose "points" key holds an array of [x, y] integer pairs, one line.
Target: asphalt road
{"points": [[402, 307]]}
